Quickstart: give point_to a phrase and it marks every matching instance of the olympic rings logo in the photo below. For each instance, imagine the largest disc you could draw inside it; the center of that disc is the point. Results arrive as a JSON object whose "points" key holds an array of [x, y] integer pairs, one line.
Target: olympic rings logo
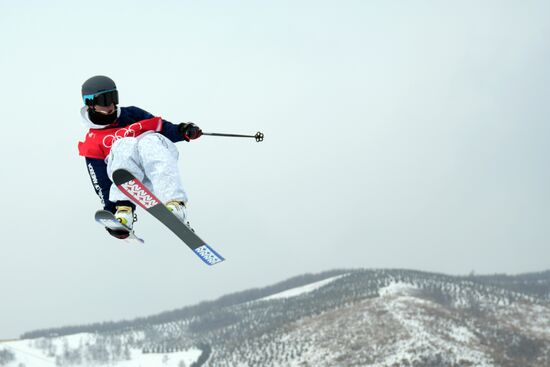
{"points": [[130, 131]]}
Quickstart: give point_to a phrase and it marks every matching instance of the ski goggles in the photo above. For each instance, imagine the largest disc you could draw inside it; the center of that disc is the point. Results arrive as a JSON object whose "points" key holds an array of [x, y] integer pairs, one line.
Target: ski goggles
{"points": [[101, 99]]}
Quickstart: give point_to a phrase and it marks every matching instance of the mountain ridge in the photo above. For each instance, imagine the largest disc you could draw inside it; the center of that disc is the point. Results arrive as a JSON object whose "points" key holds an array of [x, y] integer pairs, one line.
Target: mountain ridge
{"points": [[350, 317], [503, 280]]}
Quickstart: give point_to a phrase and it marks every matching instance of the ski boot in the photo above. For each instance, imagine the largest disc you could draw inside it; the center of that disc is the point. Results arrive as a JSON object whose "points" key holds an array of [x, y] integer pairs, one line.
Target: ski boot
{"points": [[179, 210], [125, 215]]}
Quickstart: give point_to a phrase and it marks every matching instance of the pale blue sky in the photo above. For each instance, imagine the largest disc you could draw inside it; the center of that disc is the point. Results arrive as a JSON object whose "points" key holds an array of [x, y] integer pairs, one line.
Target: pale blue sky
{"points": [[409, 134]]}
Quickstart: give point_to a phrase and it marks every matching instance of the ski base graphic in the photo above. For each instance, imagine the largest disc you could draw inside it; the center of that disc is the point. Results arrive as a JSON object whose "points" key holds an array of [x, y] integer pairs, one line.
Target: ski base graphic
{"points": [[208, 255]]}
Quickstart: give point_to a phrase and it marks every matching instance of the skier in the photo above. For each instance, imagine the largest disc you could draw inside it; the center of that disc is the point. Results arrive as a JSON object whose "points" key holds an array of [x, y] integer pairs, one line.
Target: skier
{"points": [[133, 139]]}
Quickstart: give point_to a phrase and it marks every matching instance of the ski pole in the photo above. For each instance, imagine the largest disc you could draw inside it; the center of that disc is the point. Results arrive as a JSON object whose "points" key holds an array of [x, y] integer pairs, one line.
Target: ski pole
{"points": [[259, 136]]}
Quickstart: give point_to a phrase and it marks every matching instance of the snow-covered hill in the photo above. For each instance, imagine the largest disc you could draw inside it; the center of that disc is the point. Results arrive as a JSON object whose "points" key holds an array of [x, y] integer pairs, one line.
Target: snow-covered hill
{"points": [[339, 318]]}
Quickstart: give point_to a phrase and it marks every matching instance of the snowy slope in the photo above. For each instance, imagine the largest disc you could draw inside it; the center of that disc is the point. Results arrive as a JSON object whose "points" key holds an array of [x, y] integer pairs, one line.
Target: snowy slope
{"points": [[301, 290], [47, 352]]}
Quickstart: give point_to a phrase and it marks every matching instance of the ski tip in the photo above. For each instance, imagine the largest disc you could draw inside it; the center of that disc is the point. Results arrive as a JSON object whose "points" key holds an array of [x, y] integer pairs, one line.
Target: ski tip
{"points": [[121, 176], [208, 255]]}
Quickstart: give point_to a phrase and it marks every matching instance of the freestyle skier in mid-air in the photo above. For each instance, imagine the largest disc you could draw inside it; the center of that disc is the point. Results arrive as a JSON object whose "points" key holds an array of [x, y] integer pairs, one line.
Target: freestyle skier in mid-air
{"points": [[135, 140]]}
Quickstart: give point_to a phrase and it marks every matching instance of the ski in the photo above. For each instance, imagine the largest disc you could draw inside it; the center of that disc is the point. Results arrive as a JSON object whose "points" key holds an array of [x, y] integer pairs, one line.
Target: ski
{"points": [[140, 194], [107, 219]]}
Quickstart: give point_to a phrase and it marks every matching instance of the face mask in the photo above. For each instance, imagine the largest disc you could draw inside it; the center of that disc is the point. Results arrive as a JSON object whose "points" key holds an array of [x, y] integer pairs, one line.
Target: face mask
{"points": [[102, 119]]}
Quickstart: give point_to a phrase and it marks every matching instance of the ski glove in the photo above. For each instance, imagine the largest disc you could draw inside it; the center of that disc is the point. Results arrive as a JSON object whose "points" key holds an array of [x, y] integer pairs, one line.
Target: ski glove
{"points": [[190, 131]]}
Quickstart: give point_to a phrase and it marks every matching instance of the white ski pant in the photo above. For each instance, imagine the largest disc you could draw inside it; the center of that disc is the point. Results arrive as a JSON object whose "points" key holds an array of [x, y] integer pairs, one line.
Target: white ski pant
{"points": [[153, 159]]}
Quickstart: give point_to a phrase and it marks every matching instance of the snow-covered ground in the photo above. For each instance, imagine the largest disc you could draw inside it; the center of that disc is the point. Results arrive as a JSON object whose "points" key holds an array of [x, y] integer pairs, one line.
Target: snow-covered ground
{"points": [[301, 290], [33, 353], [415, 316]]}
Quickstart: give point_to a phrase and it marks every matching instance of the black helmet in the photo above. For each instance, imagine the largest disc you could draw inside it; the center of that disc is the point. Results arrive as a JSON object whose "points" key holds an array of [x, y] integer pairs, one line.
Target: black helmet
{"points": [[99, 90]]}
